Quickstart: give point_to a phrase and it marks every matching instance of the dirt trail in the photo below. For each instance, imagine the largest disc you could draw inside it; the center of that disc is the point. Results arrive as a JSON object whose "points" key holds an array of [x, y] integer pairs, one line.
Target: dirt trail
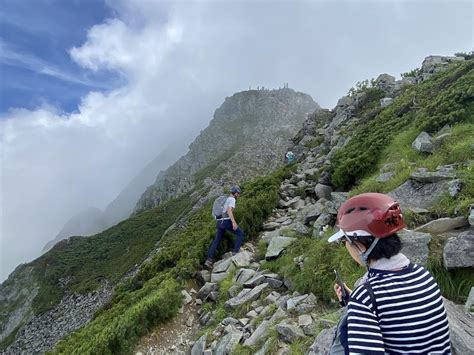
{"points": [[174, 336]]}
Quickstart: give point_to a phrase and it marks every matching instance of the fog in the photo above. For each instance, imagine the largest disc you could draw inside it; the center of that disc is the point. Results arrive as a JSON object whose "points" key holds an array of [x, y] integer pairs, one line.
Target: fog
{"points": [[178, 61]]}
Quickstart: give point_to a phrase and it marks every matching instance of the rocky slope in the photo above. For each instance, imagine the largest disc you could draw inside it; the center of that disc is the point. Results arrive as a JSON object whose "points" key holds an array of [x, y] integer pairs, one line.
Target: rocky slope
{"points": [[247, 137]]}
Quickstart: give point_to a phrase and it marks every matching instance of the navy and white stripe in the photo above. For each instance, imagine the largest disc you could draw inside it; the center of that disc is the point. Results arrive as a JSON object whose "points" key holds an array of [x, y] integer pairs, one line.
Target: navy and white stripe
{"points": [[410, 314]]}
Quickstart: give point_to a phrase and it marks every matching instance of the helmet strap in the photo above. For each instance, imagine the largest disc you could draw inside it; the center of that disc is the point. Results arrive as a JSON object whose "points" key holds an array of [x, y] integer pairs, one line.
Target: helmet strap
{"points": [[364, 256]]}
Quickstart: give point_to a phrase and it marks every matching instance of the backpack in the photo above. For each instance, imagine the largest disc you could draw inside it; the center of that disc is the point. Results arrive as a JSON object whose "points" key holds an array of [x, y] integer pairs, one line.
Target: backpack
{"points": [[218, 206]]}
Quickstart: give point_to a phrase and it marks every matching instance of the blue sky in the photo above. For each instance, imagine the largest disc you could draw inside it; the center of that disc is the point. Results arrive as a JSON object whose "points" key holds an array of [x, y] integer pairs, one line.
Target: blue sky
{"points": [[35, 65]]}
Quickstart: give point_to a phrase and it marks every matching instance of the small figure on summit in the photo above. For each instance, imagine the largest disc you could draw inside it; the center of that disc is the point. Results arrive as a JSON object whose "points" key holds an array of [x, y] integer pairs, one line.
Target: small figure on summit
{"points": [[290, 157], [225, 221]]}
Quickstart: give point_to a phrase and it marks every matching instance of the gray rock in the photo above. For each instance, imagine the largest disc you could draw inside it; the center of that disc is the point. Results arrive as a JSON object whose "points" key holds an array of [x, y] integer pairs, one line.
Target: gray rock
{"points": [[304, 308], [323, 191], [218, 277], [245, 296], [268, 236], [252, 314], [423, 143], [242, 259], [432, 176], [259, 334], [234, 290], [205, 290], [204, 276], [255, 281], [273, 283], [312, 212], [243, 275], [461, 328], [278, 315], [415, 245], [384, 177], [282, 219], [443, 225], [293, 302], [471, 216], [323, 220], [277, 245], [271, 298], [305, 319], [270, 226], [229, 320], [459, 251], [385, 82], [468, 306], [264, 349], [199, 346], [454, 187], [300, 228], [413, 194], [289, 332], [322, 343], [186, 297], [228, 343], [222, 266]]}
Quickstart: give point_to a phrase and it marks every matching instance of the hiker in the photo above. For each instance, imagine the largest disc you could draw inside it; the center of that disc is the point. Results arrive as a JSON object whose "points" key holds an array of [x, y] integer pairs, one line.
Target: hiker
{"points": [[225, 221], [396, 307], [290, 156]]}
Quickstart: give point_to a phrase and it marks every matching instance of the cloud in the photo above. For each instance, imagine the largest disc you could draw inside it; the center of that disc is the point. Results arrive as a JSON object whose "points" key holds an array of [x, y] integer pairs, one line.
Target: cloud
{"points": [[179, 60]]}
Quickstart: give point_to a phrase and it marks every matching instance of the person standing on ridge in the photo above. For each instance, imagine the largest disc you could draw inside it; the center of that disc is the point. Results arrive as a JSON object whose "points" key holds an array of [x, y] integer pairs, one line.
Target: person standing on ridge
{"points": [[225, 221], [396, 307]]}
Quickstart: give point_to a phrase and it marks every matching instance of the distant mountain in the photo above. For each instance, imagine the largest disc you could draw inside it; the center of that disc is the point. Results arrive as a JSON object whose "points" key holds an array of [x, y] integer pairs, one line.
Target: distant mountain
{"points": [[92, 220], [247, 137]]}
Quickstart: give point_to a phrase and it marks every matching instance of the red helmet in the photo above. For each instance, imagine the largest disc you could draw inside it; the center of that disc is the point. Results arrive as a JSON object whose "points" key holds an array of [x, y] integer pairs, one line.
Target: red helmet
{"points": [[373, 214]]}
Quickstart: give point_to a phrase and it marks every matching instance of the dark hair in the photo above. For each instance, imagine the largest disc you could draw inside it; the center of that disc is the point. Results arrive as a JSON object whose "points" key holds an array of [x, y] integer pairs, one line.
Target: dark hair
{"points": [[385, 248]]}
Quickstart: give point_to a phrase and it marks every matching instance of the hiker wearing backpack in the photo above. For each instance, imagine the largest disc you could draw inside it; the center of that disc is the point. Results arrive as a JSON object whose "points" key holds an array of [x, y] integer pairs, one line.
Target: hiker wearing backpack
{"points": [[396, 307], [223, 211]]}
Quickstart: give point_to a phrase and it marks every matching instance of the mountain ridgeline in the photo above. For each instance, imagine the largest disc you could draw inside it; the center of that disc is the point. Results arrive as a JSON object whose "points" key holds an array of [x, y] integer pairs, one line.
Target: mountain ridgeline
{"points": [[412, 138], [247, 137]]}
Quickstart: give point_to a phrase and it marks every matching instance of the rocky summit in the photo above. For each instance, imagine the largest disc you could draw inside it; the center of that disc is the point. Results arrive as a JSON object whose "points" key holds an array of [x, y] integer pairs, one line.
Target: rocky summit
{"points": [[247, 137], [140, 286]]}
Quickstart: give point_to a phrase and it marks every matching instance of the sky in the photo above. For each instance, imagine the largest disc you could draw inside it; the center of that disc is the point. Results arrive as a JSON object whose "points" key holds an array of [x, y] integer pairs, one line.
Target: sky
{"points": [[92, 90]]}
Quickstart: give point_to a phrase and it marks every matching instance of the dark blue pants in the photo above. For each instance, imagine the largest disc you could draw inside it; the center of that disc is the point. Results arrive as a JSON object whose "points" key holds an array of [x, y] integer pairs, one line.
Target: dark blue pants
{"points": [[221, 227]]}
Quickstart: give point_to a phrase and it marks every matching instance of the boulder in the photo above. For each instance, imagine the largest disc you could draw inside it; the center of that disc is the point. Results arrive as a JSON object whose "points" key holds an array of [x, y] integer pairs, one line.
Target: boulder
{"points": [[312, 212], [270, 226], [432, 176], [323, 220], [277, 245], [186, 297], [305, 319], [443, 225], [423, 143], [289, 333], [459, 251], [268, 236], [199, 346], [234, 290], [384, 177], [243, 275], [222, 266], [300, 228], [255, 281], [461, 328], [278, 315], [273, 297], [323, 191], [468, 306], [245, 296], [218, 277], [415, 245], [414, 194], [205, 290], [228, 343], [322, 343], [242, 259], [259, 334], [385, 82], [293, 302]]}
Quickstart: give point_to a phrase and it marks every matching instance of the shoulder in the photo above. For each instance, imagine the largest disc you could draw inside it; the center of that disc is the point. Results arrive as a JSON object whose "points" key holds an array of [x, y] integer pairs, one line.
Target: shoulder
{"points": [[230, 201]]}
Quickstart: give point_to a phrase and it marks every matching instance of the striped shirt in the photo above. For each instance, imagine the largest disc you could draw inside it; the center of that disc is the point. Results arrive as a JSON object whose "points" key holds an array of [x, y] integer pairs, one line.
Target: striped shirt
{"points": [[410, 315]]}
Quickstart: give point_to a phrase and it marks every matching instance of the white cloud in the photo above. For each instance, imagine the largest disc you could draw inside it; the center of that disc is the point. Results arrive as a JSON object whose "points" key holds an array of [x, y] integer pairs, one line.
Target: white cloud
{"points": [[180, 60]]}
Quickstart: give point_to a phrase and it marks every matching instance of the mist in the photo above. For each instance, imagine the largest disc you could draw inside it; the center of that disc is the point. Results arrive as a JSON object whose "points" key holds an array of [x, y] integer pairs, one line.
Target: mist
{"points": [[177, 61]]}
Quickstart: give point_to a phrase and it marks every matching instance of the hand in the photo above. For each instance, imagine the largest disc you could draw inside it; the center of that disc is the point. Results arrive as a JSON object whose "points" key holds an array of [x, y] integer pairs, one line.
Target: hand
{"points": [[234, 226], [338, 291]]}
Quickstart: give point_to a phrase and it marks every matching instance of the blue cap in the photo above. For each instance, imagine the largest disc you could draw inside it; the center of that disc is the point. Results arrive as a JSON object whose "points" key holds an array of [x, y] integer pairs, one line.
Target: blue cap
{"points": [[235, 189]]}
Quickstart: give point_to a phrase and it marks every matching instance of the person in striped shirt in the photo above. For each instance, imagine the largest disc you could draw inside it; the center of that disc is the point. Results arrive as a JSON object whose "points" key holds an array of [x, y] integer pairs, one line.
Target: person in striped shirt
{"points": [[396, 308]]}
